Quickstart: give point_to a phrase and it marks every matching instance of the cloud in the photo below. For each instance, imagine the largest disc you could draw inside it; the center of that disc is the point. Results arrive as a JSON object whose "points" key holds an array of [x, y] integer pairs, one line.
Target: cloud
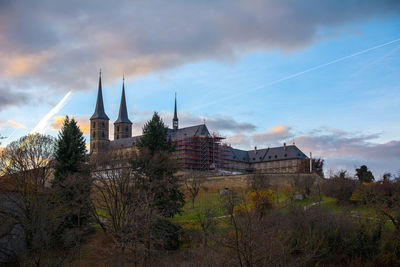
{"points": [[83, 123], [339, 148], [10, 97], [12, 124], [273, 136], [215, 122], [15, 124], [62, 44]]}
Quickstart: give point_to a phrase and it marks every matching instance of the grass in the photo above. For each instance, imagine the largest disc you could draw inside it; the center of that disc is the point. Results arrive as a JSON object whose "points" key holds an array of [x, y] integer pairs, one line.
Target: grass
{"points": [[205, 199]]}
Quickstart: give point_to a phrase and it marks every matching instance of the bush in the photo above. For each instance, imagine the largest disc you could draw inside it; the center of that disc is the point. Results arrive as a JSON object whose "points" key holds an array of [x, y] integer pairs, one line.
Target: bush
{"points": [[339, 186]]}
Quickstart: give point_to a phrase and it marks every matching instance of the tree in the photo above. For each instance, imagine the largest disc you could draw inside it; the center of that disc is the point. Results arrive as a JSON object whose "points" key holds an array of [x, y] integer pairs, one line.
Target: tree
{"points": [[364, 175], [339, 186], [386, 176], [70, 151], [193, 182], [154, 138], [72, 182], [27, 204], [155, 162]]}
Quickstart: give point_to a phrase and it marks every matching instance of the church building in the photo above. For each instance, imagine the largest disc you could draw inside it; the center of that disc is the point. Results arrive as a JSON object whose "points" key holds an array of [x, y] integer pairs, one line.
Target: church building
{"points": [[196, 147]]}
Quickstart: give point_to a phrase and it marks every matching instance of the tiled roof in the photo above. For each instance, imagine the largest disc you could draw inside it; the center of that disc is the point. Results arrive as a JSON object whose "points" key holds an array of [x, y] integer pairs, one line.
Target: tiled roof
{"points": [[197, 130], [266, 154]]}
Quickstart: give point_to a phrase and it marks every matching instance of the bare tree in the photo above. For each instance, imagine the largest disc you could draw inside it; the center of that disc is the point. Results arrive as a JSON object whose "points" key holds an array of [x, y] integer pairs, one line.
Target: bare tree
{"points": [[124, 205], [193, 183], [27, 203]]}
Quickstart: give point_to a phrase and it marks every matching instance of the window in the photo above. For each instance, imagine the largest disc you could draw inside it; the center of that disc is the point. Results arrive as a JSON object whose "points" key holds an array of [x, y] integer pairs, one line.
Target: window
{"points": [[103, 125], [102, 134], [276, 156], [93, 124], [269, 157], [117, 128], [285, 155], [117, 136], [126, 129], [94, 134]]}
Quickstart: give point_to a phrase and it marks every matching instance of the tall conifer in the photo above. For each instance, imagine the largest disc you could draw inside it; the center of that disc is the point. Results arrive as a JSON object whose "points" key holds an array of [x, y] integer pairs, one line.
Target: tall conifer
{"points": [[70, 150]]}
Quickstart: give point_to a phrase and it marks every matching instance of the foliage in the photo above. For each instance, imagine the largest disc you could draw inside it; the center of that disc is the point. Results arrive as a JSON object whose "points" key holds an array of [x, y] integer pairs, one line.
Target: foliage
{"points": [[72, 183], [70, 150], [154, 138], [261, 201], [364, 175], [340, 186]]}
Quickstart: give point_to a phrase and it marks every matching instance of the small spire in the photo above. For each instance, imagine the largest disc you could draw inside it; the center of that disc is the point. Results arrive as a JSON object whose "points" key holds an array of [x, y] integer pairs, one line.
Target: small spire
{"points": [[123, 112], [175, 119], [99, 112]]}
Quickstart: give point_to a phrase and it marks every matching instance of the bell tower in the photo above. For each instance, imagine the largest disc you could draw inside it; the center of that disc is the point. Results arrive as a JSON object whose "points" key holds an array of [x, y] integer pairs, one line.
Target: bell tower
{"points": [[122, 126], [99, 124]]}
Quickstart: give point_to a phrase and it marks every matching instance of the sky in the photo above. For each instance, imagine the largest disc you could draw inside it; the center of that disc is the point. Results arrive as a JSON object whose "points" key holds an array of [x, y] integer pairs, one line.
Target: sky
{"points": [[324, 75]]}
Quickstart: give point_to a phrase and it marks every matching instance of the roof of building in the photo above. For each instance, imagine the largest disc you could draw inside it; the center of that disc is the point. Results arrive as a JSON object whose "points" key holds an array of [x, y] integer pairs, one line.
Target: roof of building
{"points": [[123, 113], [266, 154], [123, 142], [99, 112], [197, 130]]}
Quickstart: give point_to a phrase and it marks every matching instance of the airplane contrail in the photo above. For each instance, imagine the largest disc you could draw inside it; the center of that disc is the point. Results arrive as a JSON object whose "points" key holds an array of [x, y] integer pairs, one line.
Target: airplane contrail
{"points": [[44, 123], [298, 74]]}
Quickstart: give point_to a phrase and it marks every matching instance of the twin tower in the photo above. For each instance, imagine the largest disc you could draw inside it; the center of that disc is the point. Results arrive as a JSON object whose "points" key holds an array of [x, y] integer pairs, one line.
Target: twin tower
{"points": [[99, 122]]}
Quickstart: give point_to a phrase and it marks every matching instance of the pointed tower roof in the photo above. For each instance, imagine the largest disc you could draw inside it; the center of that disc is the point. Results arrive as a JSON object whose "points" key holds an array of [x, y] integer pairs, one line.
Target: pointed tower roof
{"points": [[99, 112], [123, 113], [175, 111], [175, 119]]}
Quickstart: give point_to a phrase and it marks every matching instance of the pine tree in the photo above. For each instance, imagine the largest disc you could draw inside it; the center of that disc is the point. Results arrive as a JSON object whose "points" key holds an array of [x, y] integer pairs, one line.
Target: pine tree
{"points": [[72, 181], [70, 150], [154, 170], [154, 138]]}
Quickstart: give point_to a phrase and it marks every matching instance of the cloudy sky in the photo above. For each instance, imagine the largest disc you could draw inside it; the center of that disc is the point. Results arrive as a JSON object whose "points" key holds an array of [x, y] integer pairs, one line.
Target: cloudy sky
{"points": [[322, 74]]}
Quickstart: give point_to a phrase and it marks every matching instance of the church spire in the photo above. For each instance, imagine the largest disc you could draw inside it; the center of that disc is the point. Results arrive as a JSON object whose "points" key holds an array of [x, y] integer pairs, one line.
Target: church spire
{"points": [[99, 112], [123, 113], [175, 119]]}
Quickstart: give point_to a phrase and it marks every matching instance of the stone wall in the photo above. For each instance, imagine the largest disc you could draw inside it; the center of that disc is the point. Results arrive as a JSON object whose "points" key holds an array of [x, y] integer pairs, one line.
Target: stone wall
{"points": [[241, 181]]}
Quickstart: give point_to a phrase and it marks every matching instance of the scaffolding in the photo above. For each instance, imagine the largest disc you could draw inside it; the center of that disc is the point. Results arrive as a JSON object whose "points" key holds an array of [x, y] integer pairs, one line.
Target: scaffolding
{"points": [[203, 153]]}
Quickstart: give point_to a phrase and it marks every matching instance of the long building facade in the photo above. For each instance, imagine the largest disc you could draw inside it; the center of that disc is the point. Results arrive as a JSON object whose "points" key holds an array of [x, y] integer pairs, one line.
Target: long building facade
{"points": [[196, 147]]}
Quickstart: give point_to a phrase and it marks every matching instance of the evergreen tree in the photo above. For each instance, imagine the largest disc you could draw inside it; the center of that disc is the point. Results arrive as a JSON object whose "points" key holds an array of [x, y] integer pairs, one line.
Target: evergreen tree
{"points": [[154, 171], [70, 150], [364, 175], [154, 138], [72, 182]]}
